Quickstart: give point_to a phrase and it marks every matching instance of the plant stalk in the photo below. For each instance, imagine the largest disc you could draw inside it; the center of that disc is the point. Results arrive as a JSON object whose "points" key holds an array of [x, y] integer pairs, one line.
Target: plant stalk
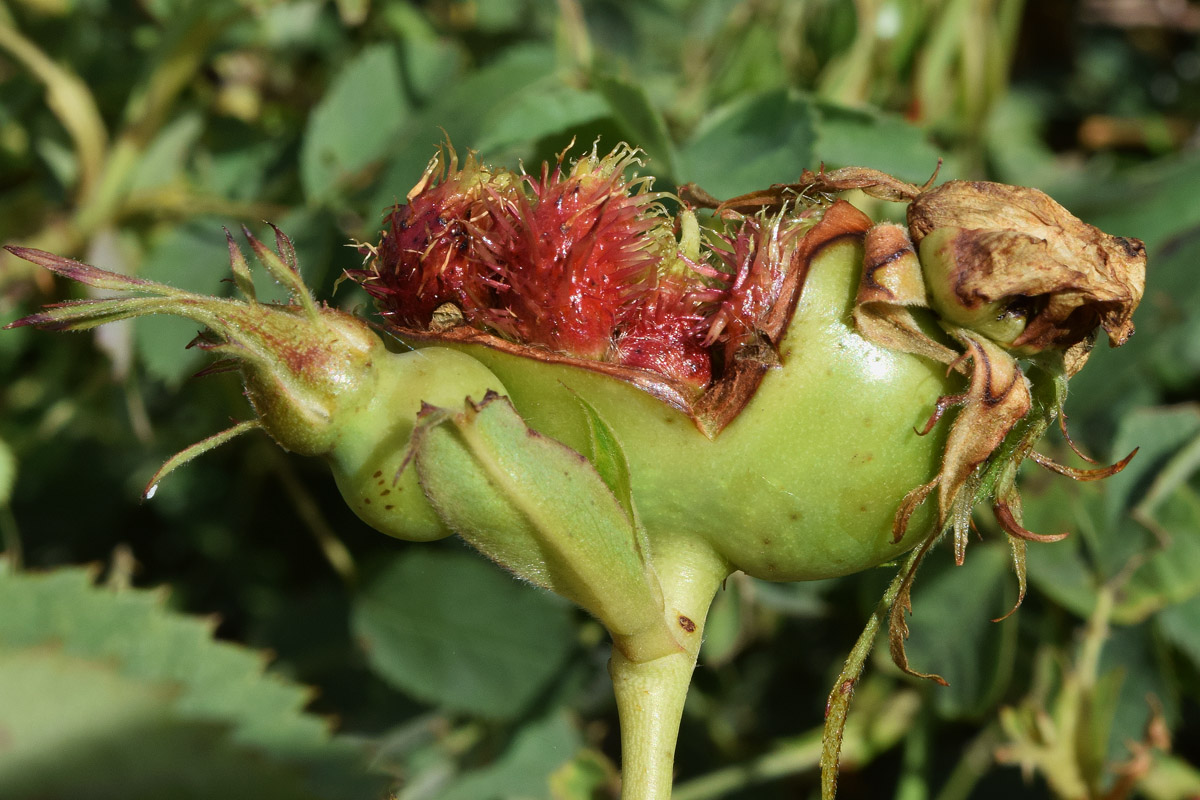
{"points": [[650, 694]]}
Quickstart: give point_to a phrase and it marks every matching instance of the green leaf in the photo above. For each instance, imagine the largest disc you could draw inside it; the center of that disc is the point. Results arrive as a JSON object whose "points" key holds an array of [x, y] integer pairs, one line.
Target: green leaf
{"points": [[952, 632], [458, 112], [1178, 626], [79, 728], [61, 639], [193, 257], [525, 769], [637, 117], [354, 125], [165, 157], [452, 630], [854, 137], [538, 112], [8, 473], [750, 143], [540, 509]]}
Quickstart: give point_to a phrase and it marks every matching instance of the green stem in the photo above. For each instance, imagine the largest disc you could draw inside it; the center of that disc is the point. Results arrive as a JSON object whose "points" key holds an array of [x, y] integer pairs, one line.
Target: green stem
{"points": [[650, 694]]}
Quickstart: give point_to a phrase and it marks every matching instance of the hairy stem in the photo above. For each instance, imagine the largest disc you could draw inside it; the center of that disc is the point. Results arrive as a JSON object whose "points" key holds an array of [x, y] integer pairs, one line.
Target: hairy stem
{"points": [[650, 694]]}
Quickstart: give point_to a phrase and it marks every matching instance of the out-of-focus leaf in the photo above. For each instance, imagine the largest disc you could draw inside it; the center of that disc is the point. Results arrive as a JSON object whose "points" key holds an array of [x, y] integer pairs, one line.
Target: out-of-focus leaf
{"points": [[1170, 573], [1158, 433], [355, 123], [8, 473], [195, 257], [752, 142], [525, 769], [458, 113], [1178, 625], [538, 112], [163, 161], [1146, 680], [853, 137], [951, 630], [1155, 203], [86, 672], [639, 119], [453, 630], [79, 728], [722, 630], [431, 62]]}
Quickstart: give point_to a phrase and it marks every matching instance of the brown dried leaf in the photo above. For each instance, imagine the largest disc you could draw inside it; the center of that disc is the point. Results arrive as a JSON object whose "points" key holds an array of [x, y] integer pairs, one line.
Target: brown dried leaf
{"points": [[1013, 244]]}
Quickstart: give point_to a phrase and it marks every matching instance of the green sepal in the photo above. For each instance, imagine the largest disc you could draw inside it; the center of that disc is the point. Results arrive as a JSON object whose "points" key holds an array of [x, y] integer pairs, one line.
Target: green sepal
{"points": [[542, 511]]}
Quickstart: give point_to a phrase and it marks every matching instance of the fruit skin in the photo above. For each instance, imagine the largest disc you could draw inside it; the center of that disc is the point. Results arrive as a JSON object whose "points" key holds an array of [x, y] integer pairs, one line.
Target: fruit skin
{"points": [[804, 483], [368, 457]]}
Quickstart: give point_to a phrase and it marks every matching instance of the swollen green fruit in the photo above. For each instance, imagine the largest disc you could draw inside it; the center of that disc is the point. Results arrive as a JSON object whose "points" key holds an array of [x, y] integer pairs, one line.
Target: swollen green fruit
{"points": [[624, 404]]}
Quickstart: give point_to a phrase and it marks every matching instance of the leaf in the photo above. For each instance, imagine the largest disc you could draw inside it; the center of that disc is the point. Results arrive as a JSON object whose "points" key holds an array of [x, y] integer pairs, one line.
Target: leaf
{"points": [[131, 642], [1158, 433], [526, 767], [750, 143], [630, 106], [1178, 625], [538, 112], [952, 630], [8, 473], [540, 509], [164, 159], [191, 257], [355, 123], [454, 631], [852, 137], [77, 727]]}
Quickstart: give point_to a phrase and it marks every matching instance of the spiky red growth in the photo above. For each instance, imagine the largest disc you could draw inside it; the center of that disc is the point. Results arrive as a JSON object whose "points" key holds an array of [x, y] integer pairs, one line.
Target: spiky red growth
{"points": [[756, 257], [666, 333], [429, 254], [581, 260]]}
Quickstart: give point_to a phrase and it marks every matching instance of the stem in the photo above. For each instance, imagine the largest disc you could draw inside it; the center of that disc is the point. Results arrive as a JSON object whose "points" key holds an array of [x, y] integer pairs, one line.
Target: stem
{"points": [[650, 694]]}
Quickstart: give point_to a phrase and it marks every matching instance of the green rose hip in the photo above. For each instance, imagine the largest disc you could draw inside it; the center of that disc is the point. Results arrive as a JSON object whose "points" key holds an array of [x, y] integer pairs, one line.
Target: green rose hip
{"points": [[624, 404]]}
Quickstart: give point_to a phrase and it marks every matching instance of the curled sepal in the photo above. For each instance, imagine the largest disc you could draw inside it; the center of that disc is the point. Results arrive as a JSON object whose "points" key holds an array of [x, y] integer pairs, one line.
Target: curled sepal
{"points": [[891, 289], [199, 448], [1018, 549], [301, 364], [997, 399], [901, 606], [541, 510], [1100, 473]]}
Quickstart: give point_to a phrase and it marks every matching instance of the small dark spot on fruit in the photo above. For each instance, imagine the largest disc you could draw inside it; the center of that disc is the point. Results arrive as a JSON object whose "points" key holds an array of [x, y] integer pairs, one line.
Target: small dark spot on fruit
{"points": [[388, 508], [862, 507], [767, 541], [367, 501], [794, 516], [378, 472], [385, 492], [686, 623], [380, 482]]}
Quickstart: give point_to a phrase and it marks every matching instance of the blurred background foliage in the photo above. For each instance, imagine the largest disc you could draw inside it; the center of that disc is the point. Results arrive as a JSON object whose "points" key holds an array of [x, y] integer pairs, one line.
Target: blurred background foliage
{"points": [[132, 130]]}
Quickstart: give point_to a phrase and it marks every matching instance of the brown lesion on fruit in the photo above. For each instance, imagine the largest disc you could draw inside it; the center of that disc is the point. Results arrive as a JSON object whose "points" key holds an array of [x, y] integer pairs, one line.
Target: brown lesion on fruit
{"points": [[687, 624]]}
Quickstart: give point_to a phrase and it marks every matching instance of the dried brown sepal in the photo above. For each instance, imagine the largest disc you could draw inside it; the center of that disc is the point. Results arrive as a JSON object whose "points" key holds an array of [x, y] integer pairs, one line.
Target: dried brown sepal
{"points": [[908, 505], [997, 399], [871, 181], [1010, 244], [897, 621], [1008, 512], [1082, 474], [892, 285]]}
